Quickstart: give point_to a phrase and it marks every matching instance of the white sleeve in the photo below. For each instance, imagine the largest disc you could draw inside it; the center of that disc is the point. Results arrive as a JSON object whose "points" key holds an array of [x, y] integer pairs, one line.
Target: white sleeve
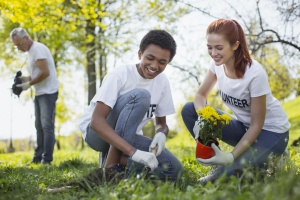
{"points": [[109, 91], [165, 106], [212, 67], [259, 85]]}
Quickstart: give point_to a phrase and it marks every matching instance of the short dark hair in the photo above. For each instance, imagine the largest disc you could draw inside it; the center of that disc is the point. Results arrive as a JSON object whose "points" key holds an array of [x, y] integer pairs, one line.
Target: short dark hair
{"points": [[160, 38]]}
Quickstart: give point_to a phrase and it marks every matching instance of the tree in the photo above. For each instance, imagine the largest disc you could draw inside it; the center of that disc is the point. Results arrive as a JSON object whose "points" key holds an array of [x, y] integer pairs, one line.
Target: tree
{"points": [[281, 82], [284, 36]]}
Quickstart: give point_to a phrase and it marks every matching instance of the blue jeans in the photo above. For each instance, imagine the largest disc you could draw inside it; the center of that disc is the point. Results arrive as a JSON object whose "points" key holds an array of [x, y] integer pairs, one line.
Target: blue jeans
{"points": [[124, 118], [44, 123], [267, 143]]}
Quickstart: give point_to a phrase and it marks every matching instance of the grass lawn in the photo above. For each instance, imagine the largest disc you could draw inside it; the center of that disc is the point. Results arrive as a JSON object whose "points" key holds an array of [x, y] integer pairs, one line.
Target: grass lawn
{"points": [[19, 180]]}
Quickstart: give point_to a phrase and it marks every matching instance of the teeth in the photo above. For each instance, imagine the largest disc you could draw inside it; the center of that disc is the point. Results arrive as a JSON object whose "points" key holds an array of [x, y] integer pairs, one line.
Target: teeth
{"points": [[151, 71]]}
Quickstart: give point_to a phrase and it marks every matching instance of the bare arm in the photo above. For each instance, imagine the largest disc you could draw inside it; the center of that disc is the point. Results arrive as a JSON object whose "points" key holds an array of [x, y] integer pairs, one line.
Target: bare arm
{"points": [[161, 125], [44, 71], [100, 125], [204, 90], [258, 113]]}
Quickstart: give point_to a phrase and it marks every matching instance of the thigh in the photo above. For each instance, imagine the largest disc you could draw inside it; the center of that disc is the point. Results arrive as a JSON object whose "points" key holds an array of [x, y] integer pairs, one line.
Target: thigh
{"points": [[233, 132], [37, 110], [127, 103], [267, 144], [47, 106]]}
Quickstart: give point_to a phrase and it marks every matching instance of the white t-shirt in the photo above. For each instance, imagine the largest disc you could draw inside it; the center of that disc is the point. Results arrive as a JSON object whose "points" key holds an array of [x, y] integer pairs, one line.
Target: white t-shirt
{"points": [[237, 93], [49, 85], [124, 79]]}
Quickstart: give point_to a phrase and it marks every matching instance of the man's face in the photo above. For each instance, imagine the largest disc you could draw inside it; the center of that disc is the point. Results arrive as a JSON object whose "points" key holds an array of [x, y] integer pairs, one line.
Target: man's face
{"points": [[21, 43], [153, 61]]}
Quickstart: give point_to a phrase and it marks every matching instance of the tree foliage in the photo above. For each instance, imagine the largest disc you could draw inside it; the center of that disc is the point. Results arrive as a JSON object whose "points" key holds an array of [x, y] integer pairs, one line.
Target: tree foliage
{"points": [[280, 79]]}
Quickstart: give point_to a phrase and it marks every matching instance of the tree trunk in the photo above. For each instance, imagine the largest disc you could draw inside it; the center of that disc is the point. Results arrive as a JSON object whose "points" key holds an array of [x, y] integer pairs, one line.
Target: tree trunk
{"points": [[90, 55]]}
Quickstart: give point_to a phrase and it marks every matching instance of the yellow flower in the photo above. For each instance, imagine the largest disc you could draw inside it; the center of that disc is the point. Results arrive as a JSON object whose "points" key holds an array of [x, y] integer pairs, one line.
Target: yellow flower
{"points": [[211, 128]]}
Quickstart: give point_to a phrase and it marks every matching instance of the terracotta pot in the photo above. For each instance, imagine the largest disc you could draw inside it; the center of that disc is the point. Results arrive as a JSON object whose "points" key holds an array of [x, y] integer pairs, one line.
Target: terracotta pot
{"points": [[203, 151]]}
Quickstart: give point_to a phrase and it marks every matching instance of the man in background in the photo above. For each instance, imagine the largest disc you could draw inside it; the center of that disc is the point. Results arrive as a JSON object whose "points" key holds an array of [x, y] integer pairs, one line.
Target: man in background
{"points": [[43, 77]]}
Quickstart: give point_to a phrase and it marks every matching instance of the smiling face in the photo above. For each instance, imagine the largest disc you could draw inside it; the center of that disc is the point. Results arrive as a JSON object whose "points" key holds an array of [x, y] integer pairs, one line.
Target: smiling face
{"points": [[153, 61], [220, 49]]}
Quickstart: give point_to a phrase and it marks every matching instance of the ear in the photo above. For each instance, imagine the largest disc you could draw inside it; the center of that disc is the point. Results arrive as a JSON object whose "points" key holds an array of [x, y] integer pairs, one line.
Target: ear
{"points": [[140, 54], [236, 45]]}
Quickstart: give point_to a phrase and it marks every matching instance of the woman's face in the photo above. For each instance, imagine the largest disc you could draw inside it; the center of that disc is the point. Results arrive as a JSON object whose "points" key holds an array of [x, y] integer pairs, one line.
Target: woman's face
{"points": [[153, 61], [220, 50]]}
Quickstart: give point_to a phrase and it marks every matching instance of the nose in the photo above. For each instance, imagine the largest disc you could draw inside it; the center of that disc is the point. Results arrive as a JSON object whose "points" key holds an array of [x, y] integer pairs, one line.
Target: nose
{"points": [[214, 52], [154, 64]]}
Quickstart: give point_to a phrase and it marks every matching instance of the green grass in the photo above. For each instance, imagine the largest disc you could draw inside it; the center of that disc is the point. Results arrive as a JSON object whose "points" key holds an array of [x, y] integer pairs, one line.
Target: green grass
{"points": [[292, 109], [19, 180]]}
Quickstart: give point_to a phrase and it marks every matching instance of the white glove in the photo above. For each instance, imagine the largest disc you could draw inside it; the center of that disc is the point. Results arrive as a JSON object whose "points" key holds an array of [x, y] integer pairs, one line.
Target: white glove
{"points": [[159, 140], [25, 79], [198, 125], [220, 158], [146, 158], [24, 86]]}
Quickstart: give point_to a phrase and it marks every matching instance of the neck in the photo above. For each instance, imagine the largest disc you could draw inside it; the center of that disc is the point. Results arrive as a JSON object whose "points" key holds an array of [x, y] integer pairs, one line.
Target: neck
{"points": [[30, 44], [230, 71]]}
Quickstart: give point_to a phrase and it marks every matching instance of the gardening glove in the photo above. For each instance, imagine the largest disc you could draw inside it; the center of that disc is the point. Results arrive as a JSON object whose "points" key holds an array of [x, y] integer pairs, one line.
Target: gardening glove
{"points": [[24, 86], [198, 124], [158, 142], [146, 158], [25, 79], [220, 158]]}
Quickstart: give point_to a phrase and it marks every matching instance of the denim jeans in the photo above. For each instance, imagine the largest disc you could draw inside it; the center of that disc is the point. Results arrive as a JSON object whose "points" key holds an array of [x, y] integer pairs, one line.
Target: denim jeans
{"points": [[44, 123], [267, 143], [124, 118]]}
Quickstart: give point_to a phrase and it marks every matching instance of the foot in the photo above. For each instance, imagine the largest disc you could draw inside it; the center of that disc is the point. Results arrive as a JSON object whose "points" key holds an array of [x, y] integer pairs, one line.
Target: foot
{"points": [[44, 162], [35, 161]]}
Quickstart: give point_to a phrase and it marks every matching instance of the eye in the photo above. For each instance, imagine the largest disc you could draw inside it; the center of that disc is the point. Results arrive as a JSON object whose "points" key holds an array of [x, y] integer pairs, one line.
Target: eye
{"points": [[163, 62], [150, 57]]}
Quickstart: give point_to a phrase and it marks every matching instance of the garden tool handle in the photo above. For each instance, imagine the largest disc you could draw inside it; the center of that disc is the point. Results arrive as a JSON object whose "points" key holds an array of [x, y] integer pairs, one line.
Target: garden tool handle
{"points": [[154, 150]]}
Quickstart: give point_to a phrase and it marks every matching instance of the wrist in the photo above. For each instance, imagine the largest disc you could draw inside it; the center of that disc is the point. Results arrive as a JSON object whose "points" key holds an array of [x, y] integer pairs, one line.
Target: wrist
{"points": [[134, 151], [233, 156]]}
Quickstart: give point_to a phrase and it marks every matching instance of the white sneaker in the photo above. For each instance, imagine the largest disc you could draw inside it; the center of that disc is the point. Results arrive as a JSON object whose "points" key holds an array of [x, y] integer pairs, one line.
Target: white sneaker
{"points": [[213, 175]]}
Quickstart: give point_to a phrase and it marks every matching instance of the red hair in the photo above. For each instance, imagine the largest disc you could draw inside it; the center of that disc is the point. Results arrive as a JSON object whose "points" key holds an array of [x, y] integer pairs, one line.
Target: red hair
{"points": [[233, 32]]}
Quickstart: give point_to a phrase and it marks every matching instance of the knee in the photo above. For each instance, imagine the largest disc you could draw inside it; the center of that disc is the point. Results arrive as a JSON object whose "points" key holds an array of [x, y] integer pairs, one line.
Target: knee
{"points": [[188, 109], [141, 95], [180, 170]]}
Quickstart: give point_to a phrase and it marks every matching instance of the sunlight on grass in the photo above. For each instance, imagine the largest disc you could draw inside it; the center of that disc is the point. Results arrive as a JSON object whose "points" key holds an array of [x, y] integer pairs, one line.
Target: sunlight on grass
{"points": [[21, 180]]}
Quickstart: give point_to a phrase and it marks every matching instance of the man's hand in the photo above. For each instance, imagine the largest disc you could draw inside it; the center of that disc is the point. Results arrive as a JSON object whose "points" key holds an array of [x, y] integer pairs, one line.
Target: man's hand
{"points": [[24, 86], [146, 158], [198, 124], [220, 158], [159, 140], [25, 79]]}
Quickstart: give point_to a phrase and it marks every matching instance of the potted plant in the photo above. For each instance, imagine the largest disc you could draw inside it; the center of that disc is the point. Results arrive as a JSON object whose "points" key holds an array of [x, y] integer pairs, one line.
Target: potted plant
{"points": [[211, 124]]}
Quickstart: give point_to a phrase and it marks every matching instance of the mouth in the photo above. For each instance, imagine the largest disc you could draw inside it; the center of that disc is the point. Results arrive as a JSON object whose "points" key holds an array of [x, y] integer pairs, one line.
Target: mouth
{"points": [[217, 59], [151, 71]]}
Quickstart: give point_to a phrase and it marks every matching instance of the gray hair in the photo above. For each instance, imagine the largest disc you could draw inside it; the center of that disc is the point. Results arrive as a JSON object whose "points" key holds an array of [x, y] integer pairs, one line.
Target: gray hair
{"points": [[18, 32]]}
